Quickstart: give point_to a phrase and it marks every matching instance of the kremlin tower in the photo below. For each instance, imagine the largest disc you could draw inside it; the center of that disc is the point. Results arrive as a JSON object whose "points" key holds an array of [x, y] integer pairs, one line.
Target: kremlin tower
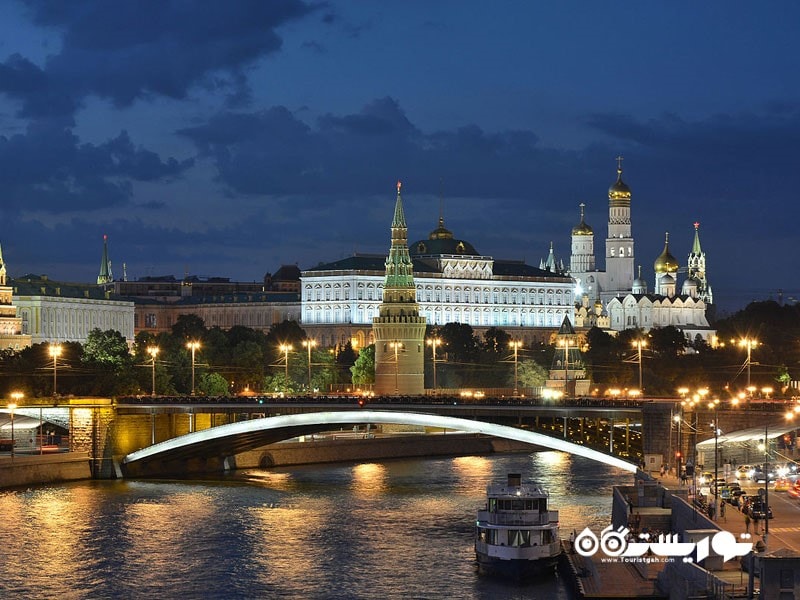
{"points": [[399, 330]]}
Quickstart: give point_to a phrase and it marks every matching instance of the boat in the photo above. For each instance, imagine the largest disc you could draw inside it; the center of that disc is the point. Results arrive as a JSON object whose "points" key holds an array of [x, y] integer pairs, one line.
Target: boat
{"points": [[516, 534]]}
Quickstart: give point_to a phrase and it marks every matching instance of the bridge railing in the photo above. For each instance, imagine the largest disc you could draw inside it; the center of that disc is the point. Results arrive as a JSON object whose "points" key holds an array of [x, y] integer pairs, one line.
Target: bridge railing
{"points": [[378, 401]]}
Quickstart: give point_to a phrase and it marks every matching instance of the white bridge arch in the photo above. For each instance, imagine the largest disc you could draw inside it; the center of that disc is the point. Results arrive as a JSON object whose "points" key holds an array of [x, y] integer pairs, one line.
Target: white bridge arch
{"points": [[226, 440]]}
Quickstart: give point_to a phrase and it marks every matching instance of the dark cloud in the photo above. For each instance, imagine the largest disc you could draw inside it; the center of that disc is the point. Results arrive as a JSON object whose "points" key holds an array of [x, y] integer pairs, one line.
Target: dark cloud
{"points": [[128, 50], [48, 169]]}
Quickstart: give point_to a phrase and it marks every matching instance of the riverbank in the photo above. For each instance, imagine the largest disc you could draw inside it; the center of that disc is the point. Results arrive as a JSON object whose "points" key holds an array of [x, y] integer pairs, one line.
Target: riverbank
{"points": [[26, 470], [35, 469]]}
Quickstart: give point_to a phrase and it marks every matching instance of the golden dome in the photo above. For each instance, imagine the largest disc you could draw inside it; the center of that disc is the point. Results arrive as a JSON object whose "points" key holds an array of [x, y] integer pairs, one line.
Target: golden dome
{"points": [[582, 228], [665, 263], [619, 189], [441, 233]]}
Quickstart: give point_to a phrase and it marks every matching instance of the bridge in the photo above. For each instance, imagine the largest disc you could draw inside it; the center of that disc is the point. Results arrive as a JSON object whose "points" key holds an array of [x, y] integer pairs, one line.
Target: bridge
{"points": [[234, 438], [186, 432], [114, 430]]}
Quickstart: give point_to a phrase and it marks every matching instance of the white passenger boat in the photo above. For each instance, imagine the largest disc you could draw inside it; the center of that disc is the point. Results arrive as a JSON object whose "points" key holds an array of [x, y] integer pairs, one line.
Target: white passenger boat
{"points": [[516, 535]]}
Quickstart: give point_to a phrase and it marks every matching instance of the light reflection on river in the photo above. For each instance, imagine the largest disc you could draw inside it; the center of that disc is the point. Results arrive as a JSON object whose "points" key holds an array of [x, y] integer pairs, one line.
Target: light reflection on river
{"points": [[396, 529]]}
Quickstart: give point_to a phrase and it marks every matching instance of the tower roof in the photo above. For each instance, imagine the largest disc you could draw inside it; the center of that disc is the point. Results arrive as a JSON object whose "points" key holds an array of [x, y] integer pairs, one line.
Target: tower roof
{"points": [[582, 228], [105, 265], [665, 263], [619, 189], [696, 243]]}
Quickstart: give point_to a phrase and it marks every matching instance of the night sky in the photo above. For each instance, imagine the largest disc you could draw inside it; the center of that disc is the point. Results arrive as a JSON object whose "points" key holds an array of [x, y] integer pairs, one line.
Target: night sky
{"points": [[228, 138]]}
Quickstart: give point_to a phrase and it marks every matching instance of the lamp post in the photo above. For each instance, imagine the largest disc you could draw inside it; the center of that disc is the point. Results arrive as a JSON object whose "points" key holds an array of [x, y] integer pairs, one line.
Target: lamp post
{"points": [[309, 344], [715, 407], [396, 347], [16, 396], [639, 344], [516, 345], [285, 349], [433, 342], [679, 452], [153, 352], [193, 346], [749, 344], [55, 351]]}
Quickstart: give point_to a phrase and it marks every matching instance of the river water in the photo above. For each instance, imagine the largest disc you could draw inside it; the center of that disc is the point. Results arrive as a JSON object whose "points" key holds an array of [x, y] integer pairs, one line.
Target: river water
{"points": [[394, 529]]}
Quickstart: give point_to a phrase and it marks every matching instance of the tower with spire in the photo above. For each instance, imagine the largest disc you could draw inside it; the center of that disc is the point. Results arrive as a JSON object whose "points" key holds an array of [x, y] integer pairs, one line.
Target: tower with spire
{"points": [[619, 243], [105, 275], [399, 330], [697, 268], [581, 261]]}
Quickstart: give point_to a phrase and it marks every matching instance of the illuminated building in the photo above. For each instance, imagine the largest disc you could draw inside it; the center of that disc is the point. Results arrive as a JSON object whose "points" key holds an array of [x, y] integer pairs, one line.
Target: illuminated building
{"points": [[454, 284], [11, 333], [618, 276]]}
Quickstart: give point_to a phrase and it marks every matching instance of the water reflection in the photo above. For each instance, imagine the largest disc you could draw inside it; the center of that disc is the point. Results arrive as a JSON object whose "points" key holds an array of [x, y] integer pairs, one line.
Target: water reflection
{"points": [[395, 529]]}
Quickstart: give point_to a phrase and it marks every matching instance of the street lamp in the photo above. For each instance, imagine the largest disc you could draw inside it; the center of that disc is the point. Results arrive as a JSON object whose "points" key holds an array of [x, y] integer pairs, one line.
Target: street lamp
{"points": [[307, 344], [285, 349], [516, 345], [749, 344], [193, 346], [679, 452], [153, 352], [433, 342], [16, 396], [396, 346], [639, 344], [715, 407], [55, 351]]}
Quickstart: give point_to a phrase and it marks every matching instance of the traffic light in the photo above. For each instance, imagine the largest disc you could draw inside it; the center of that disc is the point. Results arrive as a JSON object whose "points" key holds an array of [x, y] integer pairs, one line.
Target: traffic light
{"points": [[361, 402]]}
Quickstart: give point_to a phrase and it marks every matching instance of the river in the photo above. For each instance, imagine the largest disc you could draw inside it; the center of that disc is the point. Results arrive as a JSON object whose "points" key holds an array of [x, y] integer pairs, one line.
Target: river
{"points": [[393, 529]]}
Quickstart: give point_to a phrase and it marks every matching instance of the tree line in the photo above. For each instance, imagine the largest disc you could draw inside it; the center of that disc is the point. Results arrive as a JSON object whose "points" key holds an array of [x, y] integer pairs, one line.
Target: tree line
{"points": [[241, 359]]}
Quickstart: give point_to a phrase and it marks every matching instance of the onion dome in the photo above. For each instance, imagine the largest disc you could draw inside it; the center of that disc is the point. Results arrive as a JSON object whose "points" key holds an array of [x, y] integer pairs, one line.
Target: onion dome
{"points": [[441, 232], [619, 189], [666, 263], [639, 284], [689, 287], [666, 279], [582, 228], [442, 241]]}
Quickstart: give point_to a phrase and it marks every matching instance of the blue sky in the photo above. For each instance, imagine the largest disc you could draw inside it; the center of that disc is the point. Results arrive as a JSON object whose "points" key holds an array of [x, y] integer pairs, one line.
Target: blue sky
{"points": [[226, 139]]}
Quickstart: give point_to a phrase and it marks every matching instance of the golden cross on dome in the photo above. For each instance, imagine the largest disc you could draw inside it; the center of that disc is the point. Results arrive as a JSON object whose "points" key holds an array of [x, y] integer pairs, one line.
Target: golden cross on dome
{"points": [[619, 163]]}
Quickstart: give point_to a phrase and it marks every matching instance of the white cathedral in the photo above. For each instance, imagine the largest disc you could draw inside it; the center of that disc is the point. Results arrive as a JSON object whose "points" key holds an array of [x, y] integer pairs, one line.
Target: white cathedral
{"points": [[613, 299]]}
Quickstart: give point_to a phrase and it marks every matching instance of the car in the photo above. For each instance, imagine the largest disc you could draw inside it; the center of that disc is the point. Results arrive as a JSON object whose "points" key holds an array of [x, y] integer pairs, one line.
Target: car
{"points": [[744, 472], [735, 496], [782, 484], [756, 509], [794, 490], [705, 478]]}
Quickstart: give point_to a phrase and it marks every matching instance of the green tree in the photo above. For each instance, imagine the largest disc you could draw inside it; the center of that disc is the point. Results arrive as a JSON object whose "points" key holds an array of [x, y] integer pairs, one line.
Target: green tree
{"points": [[364, 368], [189, 327], [530, 374], [106, 355], [212, 384]]}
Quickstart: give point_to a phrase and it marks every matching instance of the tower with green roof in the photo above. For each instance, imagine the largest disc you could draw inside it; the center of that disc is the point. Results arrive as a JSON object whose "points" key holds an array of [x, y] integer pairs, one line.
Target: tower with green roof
{"points": [[399, 330], [105, 265]]}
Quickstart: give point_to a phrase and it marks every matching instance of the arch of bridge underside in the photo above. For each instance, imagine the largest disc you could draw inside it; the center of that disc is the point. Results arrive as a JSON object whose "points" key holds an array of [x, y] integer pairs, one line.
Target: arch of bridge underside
{"points": [[227, 440]]}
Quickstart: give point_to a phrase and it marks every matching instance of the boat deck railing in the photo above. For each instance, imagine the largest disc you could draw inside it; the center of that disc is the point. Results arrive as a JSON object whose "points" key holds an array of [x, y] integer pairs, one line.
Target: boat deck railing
{"points": [[518, 517]]}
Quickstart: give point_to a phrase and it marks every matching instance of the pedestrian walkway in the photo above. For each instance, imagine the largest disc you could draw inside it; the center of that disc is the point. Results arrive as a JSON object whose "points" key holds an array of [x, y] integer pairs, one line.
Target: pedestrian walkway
{"points": [[600, 576]]}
